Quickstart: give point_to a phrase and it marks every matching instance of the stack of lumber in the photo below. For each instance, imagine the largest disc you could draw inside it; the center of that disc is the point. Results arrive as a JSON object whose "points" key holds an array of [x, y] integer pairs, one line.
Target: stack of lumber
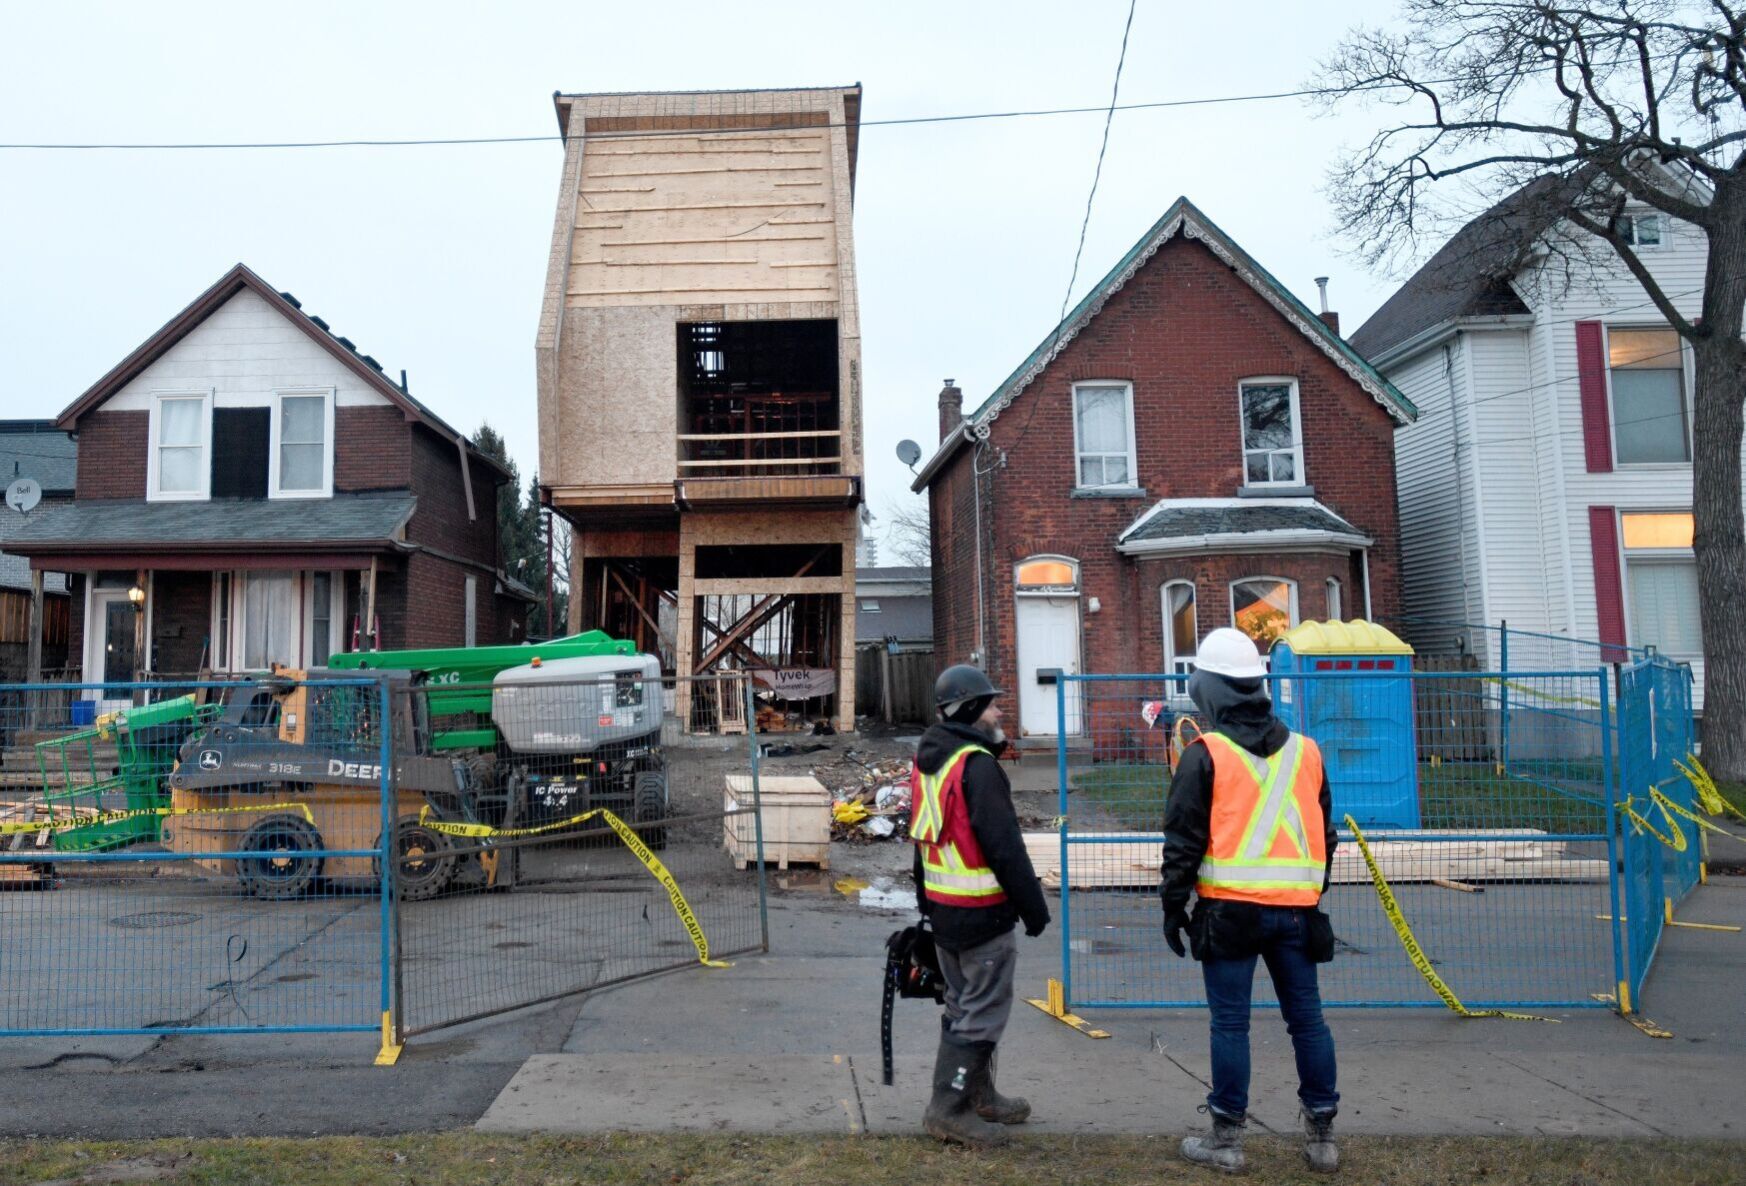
{"points": [[1118, 860], [22, 874]]}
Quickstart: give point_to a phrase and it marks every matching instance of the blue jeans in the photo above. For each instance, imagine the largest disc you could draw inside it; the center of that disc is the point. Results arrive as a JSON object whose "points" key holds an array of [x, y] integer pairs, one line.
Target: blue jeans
{"points": [[1228, 987]]}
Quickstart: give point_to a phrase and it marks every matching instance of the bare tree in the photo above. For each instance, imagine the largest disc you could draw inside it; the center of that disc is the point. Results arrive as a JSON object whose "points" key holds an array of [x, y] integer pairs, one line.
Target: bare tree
{"points": [[1595, 105], [907, 533]]}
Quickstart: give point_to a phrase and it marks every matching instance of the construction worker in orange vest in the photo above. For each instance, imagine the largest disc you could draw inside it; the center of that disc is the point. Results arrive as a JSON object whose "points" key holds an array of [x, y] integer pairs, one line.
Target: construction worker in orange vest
{"points": [[974, 882], [1248, 830]]}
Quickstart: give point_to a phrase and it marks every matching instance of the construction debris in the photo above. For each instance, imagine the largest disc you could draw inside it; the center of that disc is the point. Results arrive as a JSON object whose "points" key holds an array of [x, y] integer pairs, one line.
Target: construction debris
{"points": [[1117, 860]]}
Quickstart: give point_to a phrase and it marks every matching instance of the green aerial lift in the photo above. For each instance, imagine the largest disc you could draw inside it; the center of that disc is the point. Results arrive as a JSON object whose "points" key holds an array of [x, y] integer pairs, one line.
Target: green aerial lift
{"points": [[461, 719], [77, 771]]}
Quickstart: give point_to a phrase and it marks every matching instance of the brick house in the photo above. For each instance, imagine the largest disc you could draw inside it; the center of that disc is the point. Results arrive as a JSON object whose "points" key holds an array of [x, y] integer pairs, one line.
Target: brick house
{"points": [[251, 489], [1190, 448]]}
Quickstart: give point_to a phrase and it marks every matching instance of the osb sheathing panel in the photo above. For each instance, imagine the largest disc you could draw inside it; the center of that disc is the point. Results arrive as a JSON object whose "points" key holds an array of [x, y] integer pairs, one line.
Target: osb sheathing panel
{"points": [[657, 229]]}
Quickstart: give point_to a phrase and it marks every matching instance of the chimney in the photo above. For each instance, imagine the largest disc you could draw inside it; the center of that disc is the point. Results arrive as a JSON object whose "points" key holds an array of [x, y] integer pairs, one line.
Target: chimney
{"points": [[951, 408], [1329, 318]]}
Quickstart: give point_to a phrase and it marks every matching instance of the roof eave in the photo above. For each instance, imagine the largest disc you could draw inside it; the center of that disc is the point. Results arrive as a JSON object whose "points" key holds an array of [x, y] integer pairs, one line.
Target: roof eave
{"points": [[1243, 541], [1435, 335], [947, 448]]}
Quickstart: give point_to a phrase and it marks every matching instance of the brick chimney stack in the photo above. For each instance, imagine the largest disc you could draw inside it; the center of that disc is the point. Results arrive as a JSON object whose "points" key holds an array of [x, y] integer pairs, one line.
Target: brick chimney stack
{"points": [[951, 408], [1329, 318]]}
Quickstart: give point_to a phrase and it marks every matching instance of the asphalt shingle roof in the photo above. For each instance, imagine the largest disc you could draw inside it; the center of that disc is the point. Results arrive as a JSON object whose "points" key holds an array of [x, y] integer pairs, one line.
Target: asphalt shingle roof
{"points": [[96, 525], [37, 449], [1470, 275], [1166, 521]]}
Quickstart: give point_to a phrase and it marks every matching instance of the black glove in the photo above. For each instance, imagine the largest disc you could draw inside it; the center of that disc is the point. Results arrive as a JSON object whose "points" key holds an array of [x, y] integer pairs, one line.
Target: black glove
{"points": [[1036, 926], [1175, 922]]}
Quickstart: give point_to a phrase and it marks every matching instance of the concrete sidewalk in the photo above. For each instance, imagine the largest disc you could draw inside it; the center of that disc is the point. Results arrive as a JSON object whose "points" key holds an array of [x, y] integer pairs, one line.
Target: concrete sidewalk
{"points": [[789, 1043]]}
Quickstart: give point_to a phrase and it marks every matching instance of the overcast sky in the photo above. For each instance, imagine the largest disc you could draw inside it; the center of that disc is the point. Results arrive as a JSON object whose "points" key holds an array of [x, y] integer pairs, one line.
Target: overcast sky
{"points": [[433, 258]]}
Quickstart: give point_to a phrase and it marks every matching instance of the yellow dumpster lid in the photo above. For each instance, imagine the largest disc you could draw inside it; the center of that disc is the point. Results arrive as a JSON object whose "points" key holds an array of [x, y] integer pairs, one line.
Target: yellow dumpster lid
{"points": [[1343, 638]]}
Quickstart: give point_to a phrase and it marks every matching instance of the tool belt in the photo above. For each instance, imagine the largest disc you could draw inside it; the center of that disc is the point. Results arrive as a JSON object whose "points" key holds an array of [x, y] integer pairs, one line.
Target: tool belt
{"points": [[912, 969]]}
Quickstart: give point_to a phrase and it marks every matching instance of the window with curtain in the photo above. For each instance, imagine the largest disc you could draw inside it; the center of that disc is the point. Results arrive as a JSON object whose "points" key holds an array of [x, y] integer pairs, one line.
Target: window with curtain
{"points": [[1264, 608], [1272, 452], [269, 605], [1661, 582], [1650, 414], [302, 444], [1101, 422], [181, 445], [1181, 628]]}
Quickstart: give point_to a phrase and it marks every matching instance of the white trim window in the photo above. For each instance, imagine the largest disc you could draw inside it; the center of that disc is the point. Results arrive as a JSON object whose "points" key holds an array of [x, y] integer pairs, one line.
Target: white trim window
{"points": [[1181, 627], [1336, 602], [179, 464], [1640, 230], [264, 616], [1272, 432], [1651, 412], [1047, 576], [300, 456], [1103, 436], [1264, 608], [1661, 582]]}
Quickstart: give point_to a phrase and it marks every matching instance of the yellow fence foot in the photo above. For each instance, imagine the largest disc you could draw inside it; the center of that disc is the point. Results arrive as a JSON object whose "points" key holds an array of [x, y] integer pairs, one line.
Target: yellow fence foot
{"points": [[1055, 1005], [390, 1052], [1643, 1024]]}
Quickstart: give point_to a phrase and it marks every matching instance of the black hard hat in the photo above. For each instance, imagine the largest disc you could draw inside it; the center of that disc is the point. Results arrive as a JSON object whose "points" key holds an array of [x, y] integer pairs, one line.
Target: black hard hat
{"points": [[962, 681]]}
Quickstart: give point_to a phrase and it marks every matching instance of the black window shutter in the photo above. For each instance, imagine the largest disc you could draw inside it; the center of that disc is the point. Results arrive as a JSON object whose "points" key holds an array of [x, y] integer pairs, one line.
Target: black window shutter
{"points": [[240, 440]]}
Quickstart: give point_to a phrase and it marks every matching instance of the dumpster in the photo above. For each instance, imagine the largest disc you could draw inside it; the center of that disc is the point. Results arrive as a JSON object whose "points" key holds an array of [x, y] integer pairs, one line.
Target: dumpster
{"points": [[1363, 721]]}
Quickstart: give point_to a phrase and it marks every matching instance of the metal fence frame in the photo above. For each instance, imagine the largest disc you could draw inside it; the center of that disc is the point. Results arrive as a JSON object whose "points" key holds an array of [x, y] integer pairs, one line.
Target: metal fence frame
{"points": [[1643, 717], [383, 892]]}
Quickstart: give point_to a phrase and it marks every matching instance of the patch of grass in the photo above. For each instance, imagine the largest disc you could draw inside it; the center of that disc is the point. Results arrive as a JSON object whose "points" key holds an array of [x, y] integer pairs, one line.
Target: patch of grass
{"points": [[467, 1158], [1735, 793], [1132, 793]]}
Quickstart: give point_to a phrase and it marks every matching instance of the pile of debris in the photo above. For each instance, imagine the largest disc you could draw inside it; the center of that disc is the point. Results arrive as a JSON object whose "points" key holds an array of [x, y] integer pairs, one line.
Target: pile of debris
{"points": [[876, 809]]}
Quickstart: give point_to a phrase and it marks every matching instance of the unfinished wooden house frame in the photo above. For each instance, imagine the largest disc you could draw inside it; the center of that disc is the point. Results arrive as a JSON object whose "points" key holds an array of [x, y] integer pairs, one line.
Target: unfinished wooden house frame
{"points": [[699, 364]]}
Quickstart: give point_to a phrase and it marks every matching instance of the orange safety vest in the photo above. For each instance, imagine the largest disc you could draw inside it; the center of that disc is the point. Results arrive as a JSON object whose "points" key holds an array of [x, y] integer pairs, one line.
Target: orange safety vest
{"points": [[953, 869], [1267, 842]]}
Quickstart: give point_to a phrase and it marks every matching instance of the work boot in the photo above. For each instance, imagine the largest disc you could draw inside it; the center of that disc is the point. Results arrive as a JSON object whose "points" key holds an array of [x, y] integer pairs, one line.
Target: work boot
{"points": [[1223, 1150], [1318, 1141], [951, 1114], [990, 1104]]}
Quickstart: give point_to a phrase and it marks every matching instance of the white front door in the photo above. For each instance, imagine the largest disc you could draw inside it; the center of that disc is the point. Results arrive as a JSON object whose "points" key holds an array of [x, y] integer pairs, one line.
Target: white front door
{"points": [[112, 658], [1048, 642]]}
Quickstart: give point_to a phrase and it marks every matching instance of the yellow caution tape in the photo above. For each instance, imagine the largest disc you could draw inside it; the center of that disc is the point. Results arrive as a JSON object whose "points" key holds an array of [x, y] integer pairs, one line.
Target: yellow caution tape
{"points": [[72, 822], [1677, 841], [1415, 953], [631, 840], [1709, 795], [1547, 697]]}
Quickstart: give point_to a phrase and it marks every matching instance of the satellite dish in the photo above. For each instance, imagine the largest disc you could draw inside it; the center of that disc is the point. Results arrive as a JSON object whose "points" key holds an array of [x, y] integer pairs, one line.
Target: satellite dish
{"points": [[908, 452], [23, 495]]}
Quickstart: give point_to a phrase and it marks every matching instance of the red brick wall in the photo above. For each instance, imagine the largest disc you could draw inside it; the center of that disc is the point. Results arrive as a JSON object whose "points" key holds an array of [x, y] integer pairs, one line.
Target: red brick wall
{"points": [[1184, 331], [372, 449], [441, 518], [112, 455]]}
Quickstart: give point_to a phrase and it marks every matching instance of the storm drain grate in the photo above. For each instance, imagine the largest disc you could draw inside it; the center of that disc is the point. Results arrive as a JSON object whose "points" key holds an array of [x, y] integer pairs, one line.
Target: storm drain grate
{"points": [[152, 919]]}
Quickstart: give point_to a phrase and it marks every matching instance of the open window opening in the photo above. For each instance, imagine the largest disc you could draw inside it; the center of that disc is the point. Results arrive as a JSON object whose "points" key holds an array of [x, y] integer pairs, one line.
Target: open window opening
{"points": [[788, 642], [758, 399]]}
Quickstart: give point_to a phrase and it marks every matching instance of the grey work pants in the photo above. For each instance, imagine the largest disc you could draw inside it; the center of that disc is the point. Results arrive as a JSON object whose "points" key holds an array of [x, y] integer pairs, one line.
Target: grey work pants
{"points": [[979, 988]]}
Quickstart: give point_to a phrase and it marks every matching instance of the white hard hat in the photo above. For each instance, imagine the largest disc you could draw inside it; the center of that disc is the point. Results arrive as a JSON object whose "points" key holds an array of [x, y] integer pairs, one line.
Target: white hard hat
{"points": [[1230, 652]]}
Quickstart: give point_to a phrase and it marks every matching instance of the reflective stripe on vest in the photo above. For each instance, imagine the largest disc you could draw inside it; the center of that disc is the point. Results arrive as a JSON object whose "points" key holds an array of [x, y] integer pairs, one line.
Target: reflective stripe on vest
{"points": [[953, 872], [1267, 841]]}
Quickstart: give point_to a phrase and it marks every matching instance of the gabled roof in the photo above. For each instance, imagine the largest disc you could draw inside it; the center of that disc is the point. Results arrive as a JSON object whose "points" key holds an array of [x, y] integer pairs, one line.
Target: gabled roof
{"points": [[1182, 218], [1470, 275], [208, 302]]}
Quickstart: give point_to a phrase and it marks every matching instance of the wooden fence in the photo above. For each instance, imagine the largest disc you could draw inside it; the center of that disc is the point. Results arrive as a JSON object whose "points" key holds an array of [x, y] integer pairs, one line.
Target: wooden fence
{"points": [[895, 688]]}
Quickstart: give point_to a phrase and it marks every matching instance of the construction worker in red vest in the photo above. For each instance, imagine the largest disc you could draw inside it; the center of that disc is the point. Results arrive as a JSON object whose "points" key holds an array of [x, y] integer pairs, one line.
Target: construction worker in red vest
{"points": [[974, 882], [1249, 831]]}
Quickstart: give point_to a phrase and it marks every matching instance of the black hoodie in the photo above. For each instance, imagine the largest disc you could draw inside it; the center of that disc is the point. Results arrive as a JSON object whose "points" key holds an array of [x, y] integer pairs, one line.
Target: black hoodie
{"points": [[1241, 711], [988, 797]]}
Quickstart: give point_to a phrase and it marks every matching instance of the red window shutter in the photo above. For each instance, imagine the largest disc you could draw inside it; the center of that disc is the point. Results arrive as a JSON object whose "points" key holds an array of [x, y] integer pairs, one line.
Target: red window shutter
{"points": [[1591, 377], [1609, 589]]}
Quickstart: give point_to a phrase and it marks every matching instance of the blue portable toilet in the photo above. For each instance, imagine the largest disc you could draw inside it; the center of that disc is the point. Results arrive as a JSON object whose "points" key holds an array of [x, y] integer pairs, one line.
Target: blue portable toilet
{"points": [[1363, 721]]}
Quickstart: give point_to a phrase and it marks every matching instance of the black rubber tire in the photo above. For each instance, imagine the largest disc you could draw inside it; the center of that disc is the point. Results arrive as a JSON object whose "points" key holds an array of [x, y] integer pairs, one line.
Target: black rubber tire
{"points": [[280, 874], [648, 804], [425, 864]]}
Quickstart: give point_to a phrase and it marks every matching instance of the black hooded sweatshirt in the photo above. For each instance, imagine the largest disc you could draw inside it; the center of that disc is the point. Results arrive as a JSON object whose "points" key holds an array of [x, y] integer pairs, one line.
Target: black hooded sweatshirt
{"points": [[988, 798], [1241, 711]]}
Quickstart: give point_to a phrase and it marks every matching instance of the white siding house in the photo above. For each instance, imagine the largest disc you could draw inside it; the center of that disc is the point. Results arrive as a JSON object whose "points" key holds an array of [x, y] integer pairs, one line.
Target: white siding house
{"points": [[1547, 482]]}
